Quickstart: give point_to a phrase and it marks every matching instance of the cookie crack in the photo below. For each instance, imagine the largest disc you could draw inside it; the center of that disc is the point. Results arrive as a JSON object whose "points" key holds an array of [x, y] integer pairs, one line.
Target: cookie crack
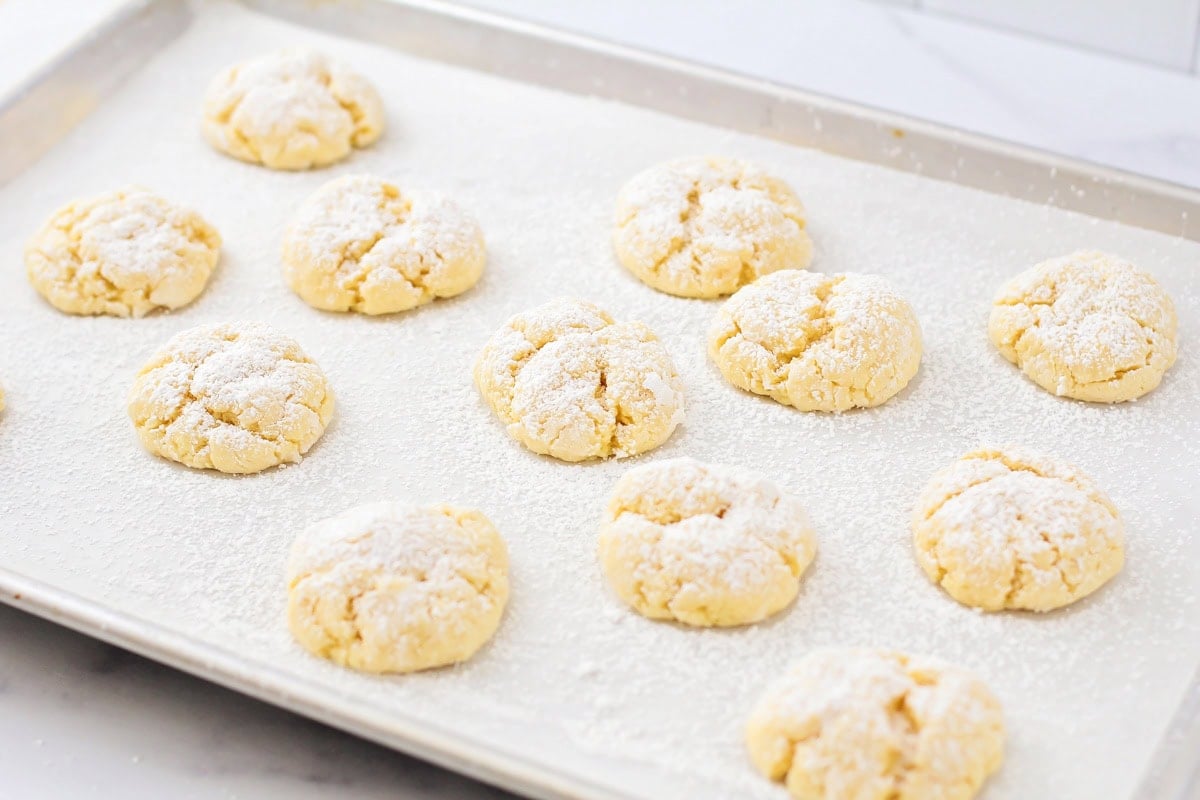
{"points": [[399, 209], [226, 113], [189, 399], [1008, 463], [682, 242], [1016, 339], [357, 115], [820, 321], [1018, 580], [900, 759], [110, 291], [517, 364]]}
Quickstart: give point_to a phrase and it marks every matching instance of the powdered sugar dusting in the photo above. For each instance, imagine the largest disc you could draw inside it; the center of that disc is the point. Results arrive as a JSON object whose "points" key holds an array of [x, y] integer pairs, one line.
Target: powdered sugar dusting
{"points": [[1005, 528], [360, 242], [569, 381], [291, 109], [1087, 325], [573, 679], [391, 587], [703, 227], [818, 342], [867, 723], [124, 252], [236, 397], [704, 544]]}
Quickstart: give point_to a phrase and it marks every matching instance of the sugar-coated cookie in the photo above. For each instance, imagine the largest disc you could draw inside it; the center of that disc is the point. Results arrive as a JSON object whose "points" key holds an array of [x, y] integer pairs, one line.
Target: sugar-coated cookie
{"points": [[569, 381], [1090, 326], [359, 243], [292, 109], [817, 342], [703, 544], [877, 725], [235, 397], [1006, 528], [390, 587], [703, 227], [123, 253]]}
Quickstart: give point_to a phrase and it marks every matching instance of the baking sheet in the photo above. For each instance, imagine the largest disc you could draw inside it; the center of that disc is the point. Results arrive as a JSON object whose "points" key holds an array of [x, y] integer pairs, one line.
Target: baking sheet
{"points": [[576, 695]]}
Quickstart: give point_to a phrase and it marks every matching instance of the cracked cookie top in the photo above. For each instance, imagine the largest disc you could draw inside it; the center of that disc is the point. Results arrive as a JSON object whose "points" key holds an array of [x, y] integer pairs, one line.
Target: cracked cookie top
{"points": [[877, 725], [569, 381], [703, 227], [1008, 529], [123, 253], [237, 397], [817, 342], [1089, 326], [361, 244], [293, 109], [391, 587], [703, 544]]}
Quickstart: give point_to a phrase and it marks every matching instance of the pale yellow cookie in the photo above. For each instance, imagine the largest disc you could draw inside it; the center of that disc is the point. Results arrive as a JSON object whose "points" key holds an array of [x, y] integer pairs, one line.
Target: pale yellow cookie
{"points": [[361, 244], [1089, 326], [124, 253], [877, 725], [1009, 529], [293, 109], [236, 397], [389, 587], [703, 227], [817, 342], [703, 544], [570, 382]]}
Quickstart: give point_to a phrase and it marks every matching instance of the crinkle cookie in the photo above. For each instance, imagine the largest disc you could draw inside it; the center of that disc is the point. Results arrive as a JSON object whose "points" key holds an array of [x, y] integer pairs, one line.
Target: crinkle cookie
{"points": [[817, 342], [1089, 325], [390, 587], [570, 382], [877, 725], [123, 253], [703, 227], [1006, 528], [292, 109], [704, 544], [359, 243], [236, 397]]}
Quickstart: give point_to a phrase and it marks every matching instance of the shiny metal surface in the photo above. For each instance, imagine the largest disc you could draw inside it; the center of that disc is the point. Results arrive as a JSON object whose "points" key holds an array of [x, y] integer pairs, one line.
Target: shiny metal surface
{"points": [[39, 113]]}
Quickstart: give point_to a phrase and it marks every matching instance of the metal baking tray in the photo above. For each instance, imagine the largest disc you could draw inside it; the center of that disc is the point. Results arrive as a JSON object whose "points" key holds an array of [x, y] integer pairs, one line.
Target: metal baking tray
{"points": [[44, 110]]}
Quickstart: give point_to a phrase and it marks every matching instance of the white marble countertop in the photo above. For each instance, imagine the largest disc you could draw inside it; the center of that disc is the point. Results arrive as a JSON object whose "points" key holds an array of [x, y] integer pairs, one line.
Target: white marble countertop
{"points": [[81, 719]]}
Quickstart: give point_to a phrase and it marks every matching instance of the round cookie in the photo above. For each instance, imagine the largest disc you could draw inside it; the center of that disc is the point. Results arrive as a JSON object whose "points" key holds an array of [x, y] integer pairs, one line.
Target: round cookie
{"points": [[703, 227], [569, 382], [703, 544], [292, 109], [817, 342], [1089, 326], [877, 725], [360, 244], [389, 587], [1006, 528], [123, 253], [236, 397]]}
